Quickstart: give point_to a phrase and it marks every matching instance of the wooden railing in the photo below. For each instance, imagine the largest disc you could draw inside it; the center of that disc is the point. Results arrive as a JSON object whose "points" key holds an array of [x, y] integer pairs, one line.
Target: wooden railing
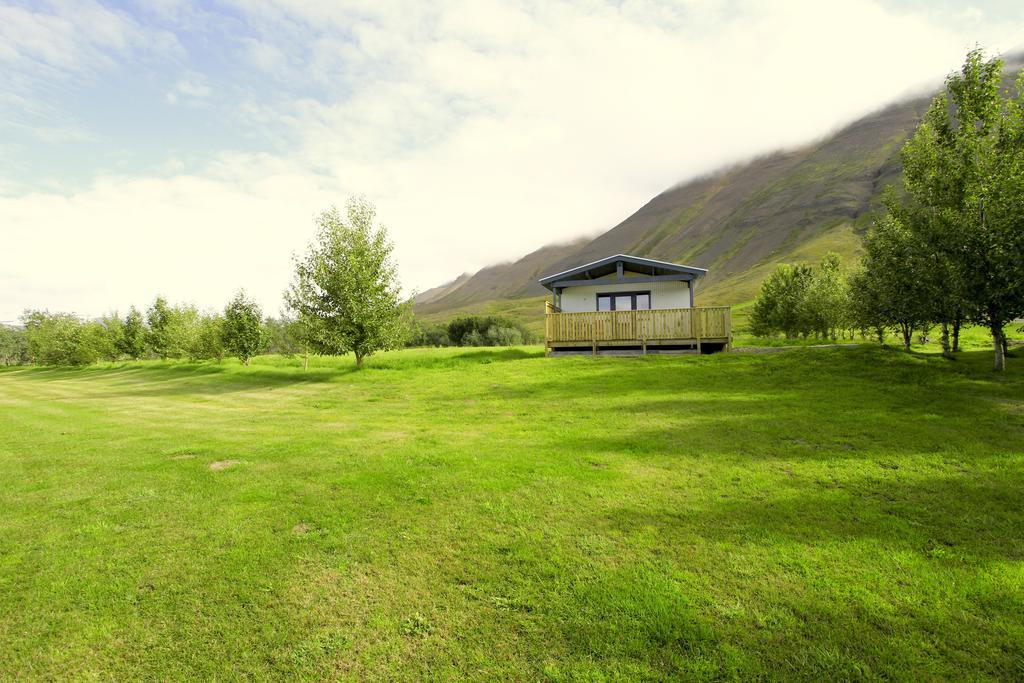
{"points": [[684, 324]]}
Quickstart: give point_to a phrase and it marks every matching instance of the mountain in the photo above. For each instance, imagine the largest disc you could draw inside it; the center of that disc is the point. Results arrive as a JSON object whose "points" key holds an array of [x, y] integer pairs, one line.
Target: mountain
{"points": [[738, 222]]}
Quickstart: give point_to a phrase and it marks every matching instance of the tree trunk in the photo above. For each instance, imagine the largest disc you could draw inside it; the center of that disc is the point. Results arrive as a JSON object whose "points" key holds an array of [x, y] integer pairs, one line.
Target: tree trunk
{"points": [[359, 361], [305, 360], [956, 335], [997, 346], [946, 353], [881, 335], [907, 333]]}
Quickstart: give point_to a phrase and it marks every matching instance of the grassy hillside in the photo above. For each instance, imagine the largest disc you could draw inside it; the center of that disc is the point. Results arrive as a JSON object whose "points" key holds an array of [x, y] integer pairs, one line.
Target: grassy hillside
{"points": [[494, 514], [738, 223]]}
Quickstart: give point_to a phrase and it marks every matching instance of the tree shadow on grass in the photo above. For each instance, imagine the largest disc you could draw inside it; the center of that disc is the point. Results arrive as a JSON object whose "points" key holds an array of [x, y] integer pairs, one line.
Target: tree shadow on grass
{"points": [[817, 408], [795, 429], [954, 517], [450, 359], [209, 378], [174, 379]]}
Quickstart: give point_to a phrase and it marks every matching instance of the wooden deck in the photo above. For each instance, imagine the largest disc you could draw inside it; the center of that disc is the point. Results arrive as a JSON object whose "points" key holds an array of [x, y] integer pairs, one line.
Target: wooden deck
{"points": [[676, 327]]}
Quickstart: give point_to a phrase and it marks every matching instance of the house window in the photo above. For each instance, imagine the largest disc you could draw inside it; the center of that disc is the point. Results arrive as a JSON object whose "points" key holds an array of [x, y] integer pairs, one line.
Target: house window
{"points": [[624, 301]]}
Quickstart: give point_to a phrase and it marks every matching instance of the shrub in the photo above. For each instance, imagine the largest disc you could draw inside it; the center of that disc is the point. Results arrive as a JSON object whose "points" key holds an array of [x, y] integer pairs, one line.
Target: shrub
{"points": [[488, 331], [504, 336], [427, 334], [473, 338]]}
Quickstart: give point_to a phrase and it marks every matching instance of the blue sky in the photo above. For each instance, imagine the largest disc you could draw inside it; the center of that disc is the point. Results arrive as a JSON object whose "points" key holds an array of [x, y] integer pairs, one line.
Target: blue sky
{"points": [[182, 148]]}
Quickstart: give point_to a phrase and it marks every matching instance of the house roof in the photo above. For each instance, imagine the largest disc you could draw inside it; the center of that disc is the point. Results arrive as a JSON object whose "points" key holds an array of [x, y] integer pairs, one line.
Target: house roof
{"points": [[635, 264]]}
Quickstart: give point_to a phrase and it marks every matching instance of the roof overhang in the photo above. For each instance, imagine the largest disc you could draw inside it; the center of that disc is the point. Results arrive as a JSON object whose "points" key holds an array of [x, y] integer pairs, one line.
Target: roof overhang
{"points": [[650, 271]]}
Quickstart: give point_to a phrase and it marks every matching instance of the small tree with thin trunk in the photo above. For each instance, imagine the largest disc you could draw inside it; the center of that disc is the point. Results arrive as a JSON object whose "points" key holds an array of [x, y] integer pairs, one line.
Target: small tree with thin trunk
{"points": [[242, 328], [346, 289], [160, 324], [133, 335], [893, 289]]}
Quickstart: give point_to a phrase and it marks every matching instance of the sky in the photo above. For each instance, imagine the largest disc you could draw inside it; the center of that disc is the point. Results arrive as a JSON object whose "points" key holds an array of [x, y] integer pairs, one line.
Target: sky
{"points": [[184, 148]]}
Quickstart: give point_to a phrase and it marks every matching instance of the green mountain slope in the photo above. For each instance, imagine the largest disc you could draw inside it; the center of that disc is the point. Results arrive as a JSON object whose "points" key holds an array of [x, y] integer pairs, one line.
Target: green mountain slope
{"points": [[738, 223]]}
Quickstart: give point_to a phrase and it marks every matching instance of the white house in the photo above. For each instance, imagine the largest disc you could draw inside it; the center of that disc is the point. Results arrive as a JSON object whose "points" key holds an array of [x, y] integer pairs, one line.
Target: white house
{"points": [[627, 303], [624, 282]]}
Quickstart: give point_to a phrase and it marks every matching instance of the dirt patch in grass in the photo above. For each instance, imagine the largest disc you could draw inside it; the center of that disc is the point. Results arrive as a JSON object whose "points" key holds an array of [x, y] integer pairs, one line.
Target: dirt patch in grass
{"points": [[223, 464], [300, 528]]}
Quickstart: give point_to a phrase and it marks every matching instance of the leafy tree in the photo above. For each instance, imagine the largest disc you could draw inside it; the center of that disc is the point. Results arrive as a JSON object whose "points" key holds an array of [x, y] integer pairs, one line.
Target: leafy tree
{"points": [[173, 330], [346, 288], [184, 329], [893, 291], [964, 169], [280, 339], [207, 343], [113, 332], [13, 345], [133, 335], [825, 303], [96, 341], [779, 303], [160, 335], [63, 338], [243, 332]]}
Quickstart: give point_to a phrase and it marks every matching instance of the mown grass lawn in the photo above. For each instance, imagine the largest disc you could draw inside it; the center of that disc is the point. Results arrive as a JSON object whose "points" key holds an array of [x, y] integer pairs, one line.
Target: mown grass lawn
{"points": [[484, 514]]}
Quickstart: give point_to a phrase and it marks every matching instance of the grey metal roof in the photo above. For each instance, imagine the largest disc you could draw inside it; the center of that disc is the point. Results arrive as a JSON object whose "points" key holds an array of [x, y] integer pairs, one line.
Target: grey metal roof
{"points": [[608, 265]]}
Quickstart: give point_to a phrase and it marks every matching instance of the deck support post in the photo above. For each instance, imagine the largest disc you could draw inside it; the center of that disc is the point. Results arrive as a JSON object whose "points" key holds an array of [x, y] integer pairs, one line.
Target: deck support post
{"points": [[697, 328]]}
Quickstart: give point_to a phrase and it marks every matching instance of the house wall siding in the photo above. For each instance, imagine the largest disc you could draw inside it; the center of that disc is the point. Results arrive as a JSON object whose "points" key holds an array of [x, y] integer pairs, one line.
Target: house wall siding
{"points": [[666, 294]]}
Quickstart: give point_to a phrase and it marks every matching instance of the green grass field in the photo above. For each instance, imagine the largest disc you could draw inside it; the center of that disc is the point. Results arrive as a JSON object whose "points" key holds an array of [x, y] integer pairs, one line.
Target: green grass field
{"points": [[483, 514]]}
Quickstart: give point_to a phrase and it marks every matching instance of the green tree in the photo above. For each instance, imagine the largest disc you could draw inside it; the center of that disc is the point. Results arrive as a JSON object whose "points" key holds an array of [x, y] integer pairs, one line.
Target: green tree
{"points": [[172, 330], [279, 336], [63, 338], [779, 304], [113, 331], [346, 288], [207, 343], [160, 321], [13, 345], [964, 169], [244, 334], [133, 335], [893, 289], [823, 308]]}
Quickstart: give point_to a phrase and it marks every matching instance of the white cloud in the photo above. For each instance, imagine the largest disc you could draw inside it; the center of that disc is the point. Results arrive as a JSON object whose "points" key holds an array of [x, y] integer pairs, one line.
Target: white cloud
{"points": [[482, 130], [192, 89], [75, 39]]}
